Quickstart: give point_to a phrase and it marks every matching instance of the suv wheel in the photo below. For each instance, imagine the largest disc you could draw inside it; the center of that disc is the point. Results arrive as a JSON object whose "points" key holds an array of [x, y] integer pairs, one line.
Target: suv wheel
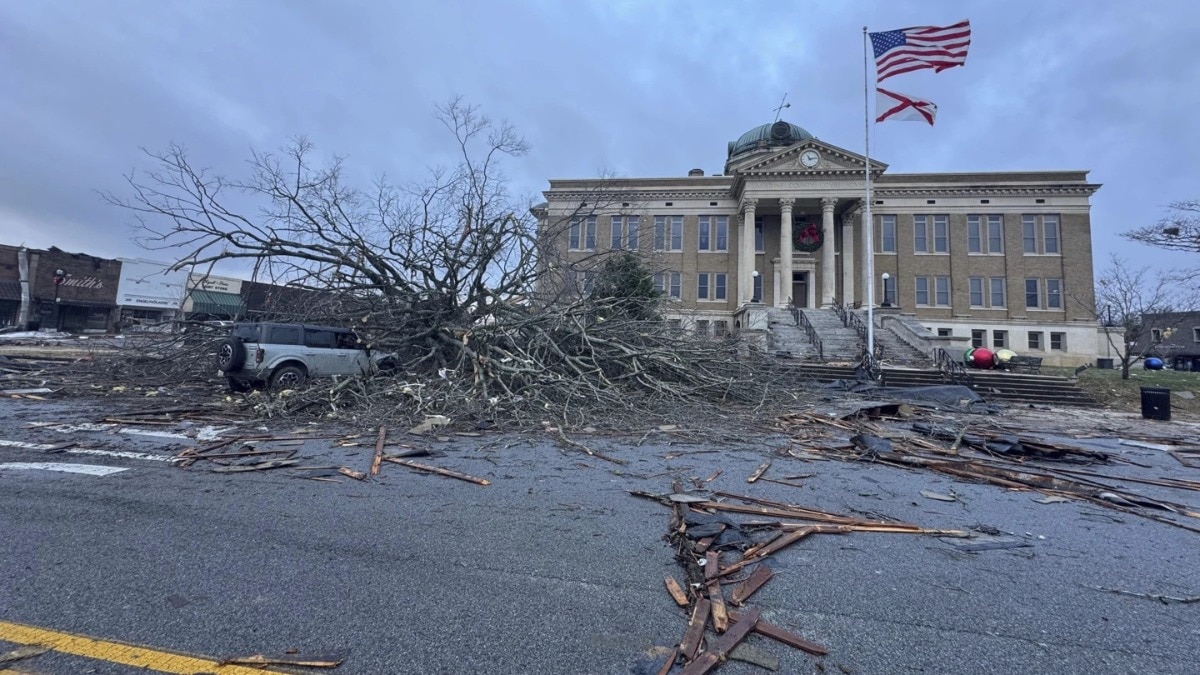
{"points": [[231, 355], [288, 377]]}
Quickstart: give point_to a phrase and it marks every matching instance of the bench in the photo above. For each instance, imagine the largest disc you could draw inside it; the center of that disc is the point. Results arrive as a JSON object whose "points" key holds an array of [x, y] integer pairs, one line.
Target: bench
{"points": [[1025, 364]]}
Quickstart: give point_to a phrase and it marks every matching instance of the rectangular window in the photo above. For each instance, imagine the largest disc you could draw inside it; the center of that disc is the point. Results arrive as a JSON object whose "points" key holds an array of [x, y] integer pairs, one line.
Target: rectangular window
{"points": [[760, 242], [941, 234], [943, 291], [1054, 293], [676, 290], [576, 235], [1196, 335], [887, 236], [920, 234], [977, 337], [710, 286], [1029, 233], [945, 332], [719, 286], [976, 290], [997, 288], [586, 281], [668, 231], [674, 324], [625, 232], [995, 232], [714, 233], [758, 288], [668, 283], [1058, 341], [702, 327], [974, 234], [922, 291], [1050, 233], [720, 328], [702, 286], [1000, 339], [589, 234], [1032, 294], [1156, 335], [1035, 341]]}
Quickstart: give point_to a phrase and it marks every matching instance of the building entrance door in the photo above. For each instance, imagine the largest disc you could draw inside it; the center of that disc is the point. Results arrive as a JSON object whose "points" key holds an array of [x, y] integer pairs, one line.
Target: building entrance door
{"points": [[800, 289]]}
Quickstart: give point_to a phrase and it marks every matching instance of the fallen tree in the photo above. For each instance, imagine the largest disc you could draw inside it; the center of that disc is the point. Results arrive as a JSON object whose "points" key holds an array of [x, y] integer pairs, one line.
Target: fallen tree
{"points": [[451, 274]]}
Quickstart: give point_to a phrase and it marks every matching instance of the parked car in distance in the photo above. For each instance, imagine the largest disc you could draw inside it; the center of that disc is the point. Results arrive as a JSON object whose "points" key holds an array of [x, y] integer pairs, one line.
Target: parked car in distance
{"points": [[286, 355]]}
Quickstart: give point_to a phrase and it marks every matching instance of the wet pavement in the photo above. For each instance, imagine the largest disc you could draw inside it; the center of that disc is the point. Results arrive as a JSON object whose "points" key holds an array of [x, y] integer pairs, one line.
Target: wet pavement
{"points": [[554, 567]]}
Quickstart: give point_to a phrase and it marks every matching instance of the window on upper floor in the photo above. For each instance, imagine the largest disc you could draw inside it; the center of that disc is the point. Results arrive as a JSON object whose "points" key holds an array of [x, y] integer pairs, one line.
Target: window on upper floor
{"points": [[975, 289], [1156, 335], [758, 288], [1040, 234], [760, 240], [887, 234], [582, 236], [711, 286], [985, 234], [933, 291], [713, 234], [668, 233], [1196, 335], [1054, 299], [625, 232], [1033, 295], [998, 297], [670, 284]]}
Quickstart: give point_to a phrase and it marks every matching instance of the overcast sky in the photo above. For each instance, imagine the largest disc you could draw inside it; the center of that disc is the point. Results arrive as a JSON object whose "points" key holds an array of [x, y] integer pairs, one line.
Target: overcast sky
{"points": [[647, 88]]}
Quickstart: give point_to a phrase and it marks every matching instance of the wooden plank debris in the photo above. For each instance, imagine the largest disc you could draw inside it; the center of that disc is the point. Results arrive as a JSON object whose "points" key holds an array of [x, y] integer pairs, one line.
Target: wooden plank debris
{"points": [[283, 660], [762, 468], [776, 633], [720, 615], [347, 471], [377, 460], [720, 649], [438, 470], [261, 466], [695, 629], [676, 592], [759, 577]]}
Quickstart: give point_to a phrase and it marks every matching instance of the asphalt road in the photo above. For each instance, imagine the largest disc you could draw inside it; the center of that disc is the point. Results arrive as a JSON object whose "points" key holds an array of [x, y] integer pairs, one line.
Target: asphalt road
{"points": [[554, 567]]}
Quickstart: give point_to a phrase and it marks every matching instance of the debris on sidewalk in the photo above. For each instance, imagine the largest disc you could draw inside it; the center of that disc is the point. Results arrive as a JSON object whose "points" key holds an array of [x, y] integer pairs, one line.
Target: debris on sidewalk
{"points": [[715, 551], [438, 470]]}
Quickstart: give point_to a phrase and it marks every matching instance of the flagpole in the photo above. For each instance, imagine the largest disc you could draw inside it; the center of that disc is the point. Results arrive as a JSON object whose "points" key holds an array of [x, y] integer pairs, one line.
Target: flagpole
{"points": [[868, 239]]}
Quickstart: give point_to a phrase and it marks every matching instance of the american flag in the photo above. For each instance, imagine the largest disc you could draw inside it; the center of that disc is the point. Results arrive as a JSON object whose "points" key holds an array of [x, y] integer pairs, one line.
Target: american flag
{"points": [[908, 49]]}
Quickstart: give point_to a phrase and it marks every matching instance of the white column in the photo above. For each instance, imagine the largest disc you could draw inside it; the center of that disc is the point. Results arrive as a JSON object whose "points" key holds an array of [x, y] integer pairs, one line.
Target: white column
{"points": [[746, 253], [785, 253], [848, 253], [827, 270]]}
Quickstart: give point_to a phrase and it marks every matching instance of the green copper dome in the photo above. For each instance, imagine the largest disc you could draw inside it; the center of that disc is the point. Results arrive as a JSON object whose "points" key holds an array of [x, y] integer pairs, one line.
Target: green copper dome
{"points": [[774, 135]]}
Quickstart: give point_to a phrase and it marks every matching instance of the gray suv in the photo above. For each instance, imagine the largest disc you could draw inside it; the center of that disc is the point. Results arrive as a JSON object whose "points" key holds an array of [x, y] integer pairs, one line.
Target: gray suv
{"points": [[285, 355]]}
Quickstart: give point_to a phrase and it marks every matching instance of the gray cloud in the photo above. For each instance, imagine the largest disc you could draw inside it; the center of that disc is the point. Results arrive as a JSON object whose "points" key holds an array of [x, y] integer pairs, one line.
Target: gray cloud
{"points": [[629, 87]]}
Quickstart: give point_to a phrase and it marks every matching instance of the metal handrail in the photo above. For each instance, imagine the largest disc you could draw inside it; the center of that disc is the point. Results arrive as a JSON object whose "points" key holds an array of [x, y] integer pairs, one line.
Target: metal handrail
{"points": [[951, 367], [856, 322], [840, 310], [871, 366], [809, 329]]}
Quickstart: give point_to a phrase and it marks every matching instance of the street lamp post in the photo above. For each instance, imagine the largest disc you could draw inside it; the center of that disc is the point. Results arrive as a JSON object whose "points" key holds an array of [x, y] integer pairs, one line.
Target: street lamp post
{"points": [[887, 298]]}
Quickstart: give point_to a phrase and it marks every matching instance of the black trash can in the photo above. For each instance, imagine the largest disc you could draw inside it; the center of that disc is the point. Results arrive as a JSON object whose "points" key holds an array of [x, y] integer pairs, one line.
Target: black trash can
{"points": [[1156, 403]]}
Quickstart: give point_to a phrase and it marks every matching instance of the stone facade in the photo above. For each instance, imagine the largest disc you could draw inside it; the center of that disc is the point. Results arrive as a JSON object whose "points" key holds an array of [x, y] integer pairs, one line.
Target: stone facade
{"points": [[1006, 253]]}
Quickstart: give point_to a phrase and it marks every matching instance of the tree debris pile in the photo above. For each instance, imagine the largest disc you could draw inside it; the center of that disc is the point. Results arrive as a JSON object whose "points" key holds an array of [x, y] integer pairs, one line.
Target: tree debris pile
{"points": [[722, 559], [1001, 457]]}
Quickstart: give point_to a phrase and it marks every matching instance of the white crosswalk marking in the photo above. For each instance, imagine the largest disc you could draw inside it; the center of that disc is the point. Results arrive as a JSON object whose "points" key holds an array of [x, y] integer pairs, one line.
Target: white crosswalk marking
{"points": [[89, 469]]}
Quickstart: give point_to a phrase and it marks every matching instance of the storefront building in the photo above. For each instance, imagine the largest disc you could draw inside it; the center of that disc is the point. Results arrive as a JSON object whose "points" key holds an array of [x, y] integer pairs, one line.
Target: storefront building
{"points": [[150, 295]]}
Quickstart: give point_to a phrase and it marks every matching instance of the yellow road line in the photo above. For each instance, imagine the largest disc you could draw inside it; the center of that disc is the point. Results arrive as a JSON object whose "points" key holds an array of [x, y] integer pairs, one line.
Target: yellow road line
{"points": [[117, 652]]}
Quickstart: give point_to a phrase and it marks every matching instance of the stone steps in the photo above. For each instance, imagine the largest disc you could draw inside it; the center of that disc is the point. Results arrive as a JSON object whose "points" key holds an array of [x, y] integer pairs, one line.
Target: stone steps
{"points": [[991, 385]]}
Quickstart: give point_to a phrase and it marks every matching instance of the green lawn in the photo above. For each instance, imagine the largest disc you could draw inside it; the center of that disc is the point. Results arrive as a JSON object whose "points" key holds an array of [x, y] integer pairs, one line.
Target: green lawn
{"points": [[1107, 387]]}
